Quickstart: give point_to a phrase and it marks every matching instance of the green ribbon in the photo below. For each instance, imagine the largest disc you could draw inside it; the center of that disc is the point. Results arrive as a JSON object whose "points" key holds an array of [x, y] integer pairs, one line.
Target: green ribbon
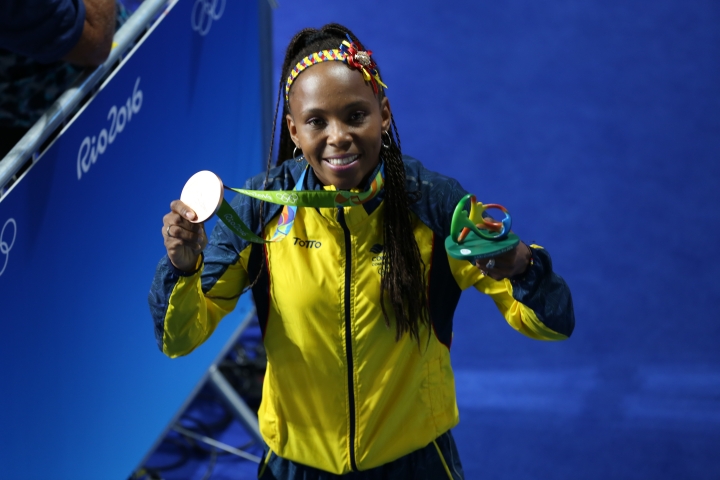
{"points": [[291, 200]]}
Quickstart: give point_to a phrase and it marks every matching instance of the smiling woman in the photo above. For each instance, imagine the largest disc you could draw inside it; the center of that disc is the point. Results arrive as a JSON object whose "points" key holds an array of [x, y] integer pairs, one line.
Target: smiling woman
{"points": [[337, 122], [337, 114], [359, 380]]}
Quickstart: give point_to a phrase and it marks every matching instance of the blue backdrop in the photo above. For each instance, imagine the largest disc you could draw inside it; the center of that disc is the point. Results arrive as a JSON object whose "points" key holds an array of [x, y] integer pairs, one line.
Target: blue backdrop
{"points": [[595, 123], [598, 125], [85, 391]]}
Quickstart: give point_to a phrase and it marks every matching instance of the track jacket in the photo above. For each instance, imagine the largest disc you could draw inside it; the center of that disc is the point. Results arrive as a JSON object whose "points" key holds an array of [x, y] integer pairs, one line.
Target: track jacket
{"points": [[340, 393]]}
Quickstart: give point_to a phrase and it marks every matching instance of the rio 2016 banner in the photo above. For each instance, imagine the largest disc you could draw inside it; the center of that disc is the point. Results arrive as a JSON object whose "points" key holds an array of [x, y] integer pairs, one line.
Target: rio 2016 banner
{"points": [[83, 383]]}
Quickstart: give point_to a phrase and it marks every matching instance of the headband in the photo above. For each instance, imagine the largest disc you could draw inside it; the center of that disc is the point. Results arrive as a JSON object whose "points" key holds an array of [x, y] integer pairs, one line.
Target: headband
{"points": [[349, 53]]}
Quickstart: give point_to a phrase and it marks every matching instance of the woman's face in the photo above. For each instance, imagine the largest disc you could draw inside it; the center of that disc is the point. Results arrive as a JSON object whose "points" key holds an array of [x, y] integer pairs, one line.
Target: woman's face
{"points": [[337, 121]]}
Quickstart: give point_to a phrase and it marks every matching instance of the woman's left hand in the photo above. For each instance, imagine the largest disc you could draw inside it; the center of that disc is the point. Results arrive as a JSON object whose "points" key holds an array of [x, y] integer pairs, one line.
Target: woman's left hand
{"points": [[506, 265]]}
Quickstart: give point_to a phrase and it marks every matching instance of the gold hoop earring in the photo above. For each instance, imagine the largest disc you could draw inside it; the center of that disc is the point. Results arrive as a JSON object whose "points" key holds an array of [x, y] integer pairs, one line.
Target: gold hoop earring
{"points": [[295, 157], [389, 140]]}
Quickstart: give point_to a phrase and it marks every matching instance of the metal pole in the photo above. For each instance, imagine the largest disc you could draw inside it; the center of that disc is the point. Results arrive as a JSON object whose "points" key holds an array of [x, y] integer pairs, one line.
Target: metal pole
{"points": [[235, 403], [212, 442]]}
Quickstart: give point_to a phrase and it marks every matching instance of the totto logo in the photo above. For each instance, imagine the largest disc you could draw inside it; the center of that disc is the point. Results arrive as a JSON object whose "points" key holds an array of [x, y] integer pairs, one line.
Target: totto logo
{"points": [[204, 13], [92, 148], [307, 243], [5, 245]]}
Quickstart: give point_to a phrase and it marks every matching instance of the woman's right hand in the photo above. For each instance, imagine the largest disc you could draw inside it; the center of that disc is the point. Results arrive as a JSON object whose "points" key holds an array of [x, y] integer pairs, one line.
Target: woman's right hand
{"points": [[184, 240]]}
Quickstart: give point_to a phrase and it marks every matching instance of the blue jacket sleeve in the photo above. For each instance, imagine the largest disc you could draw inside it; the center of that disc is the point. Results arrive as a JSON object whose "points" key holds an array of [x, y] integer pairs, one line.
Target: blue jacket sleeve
{"points": [[546, 293]]}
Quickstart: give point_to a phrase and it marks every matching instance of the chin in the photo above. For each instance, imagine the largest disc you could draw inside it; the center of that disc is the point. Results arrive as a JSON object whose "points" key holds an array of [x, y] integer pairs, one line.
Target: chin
{"points": [[345, 184]]}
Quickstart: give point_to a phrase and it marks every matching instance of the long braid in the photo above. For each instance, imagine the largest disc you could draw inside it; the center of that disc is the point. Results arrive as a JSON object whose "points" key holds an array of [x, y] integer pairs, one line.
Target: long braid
{"points": [[284, 134], [402, 269]]}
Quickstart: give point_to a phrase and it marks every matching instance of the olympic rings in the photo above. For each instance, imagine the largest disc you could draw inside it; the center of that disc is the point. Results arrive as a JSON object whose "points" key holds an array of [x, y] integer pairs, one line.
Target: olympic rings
{"points": [[4, 246]]}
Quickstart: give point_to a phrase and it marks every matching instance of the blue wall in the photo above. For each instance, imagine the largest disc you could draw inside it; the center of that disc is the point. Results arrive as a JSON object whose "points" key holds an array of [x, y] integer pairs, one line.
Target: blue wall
{"points": [[595, 123], [85, 391], [598, 125]]}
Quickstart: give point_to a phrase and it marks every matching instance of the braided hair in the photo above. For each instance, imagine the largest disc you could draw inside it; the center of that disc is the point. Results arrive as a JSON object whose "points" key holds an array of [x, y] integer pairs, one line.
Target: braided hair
{"points": [[402, 271]]}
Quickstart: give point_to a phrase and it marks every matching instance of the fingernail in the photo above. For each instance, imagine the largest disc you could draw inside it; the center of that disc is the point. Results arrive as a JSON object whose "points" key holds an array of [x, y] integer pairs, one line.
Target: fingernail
{"points": [[190, 215]]}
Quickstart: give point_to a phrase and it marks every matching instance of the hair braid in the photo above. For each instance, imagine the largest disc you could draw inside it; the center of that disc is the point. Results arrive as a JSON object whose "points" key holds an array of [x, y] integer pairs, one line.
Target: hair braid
{"points": [[290, 53], [402, 269]]}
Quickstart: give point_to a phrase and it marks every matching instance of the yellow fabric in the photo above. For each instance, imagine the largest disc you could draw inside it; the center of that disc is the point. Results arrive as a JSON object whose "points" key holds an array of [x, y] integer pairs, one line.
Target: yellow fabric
{"points": [[192, 317], [404, 392], [520, 317], [398, 387]]}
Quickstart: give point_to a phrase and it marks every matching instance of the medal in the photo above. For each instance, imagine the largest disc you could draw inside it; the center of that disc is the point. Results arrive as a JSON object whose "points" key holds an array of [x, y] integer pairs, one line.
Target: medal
{"points": [[204, 193]]}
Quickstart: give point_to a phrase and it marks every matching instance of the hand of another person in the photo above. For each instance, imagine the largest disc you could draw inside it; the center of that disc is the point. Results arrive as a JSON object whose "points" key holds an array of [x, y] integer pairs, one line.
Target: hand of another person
{"points": [[508, 264], [96, 41], [184, 240]]}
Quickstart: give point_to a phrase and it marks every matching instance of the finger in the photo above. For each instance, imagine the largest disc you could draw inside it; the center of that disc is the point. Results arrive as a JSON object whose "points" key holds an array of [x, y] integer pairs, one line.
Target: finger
{"points": [[174, 218], [183, 210], [188, 237], [202, 242], [202, 238], [506, 258], [490, 267], [497, 274], [494, 263]]}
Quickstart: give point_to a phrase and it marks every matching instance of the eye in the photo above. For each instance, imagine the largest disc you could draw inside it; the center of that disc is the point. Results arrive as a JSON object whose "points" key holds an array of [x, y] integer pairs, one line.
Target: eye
{"points": [[316, 122], [357, 117]]}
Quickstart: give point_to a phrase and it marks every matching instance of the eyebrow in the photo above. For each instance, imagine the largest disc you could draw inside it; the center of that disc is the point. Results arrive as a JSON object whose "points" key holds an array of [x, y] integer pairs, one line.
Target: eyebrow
{"points": [[349, 106]]}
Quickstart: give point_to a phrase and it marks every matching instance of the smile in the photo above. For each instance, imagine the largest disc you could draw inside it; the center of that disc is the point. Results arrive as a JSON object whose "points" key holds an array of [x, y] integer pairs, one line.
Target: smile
{"points": [[341, 161]]}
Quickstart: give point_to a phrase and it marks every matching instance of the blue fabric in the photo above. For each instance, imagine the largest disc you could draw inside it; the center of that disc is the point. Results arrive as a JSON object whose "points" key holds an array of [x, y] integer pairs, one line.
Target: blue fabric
{"points": [[546, 293], [44, 30], [422, 464]]}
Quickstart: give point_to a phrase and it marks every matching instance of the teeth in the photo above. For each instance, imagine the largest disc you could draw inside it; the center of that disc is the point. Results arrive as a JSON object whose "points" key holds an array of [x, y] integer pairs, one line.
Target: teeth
{"points": [[341, 161]]}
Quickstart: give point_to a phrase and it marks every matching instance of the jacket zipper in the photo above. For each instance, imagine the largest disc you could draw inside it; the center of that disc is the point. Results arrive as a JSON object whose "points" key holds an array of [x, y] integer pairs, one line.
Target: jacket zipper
{"points": [[348, 331]]}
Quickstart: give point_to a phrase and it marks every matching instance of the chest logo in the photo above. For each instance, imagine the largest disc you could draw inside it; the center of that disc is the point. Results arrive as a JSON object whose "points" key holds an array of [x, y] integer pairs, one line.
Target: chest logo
{"points": [[306, 243]]}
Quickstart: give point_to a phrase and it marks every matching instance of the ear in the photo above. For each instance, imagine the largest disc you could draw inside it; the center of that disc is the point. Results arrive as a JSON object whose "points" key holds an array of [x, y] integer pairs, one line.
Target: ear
{"points": [[385, 113], [292, 129]]}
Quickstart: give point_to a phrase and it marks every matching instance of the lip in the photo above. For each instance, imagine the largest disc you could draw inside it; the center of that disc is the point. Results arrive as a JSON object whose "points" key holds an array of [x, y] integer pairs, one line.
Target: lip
{"points": [[327, 161]]}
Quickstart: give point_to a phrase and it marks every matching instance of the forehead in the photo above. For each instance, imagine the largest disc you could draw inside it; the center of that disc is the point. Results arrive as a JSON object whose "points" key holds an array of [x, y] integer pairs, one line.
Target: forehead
{"points": [[329, 83]]}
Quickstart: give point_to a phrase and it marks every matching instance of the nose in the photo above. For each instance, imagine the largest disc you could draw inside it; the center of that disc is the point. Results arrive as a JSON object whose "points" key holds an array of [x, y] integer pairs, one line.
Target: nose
{"points": [[339, 135]]}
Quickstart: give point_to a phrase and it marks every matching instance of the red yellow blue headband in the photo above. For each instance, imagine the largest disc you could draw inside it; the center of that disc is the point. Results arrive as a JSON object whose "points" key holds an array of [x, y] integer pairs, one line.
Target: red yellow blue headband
{"points": [[349, 53]]}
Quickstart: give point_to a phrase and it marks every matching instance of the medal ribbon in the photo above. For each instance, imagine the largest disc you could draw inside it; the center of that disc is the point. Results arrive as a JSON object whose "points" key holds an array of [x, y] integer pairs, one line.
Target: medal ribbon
{"points": [[291, 199]]}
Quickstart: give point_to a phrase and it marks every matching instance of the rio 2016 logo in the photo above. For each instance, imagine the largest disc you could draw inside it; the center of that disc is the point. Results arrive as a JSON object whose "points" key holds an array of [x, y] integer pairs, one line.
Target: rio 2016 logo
{"points": [[92, 148], [7, 242], [204, 13]]}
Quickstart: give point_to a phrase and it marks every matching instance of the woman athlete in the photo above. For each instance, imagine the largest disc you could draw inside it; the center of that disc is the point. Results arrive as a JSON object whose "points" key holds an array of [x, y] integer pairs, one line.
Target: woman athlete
{"points": [[356, 303]]}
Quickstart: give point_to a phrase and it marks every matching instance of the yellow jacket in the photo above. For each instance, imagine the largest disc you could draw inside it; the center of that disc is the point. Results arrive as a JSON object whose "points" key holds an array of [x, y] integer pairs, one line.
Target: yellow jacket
{"points": [[340, 393]]}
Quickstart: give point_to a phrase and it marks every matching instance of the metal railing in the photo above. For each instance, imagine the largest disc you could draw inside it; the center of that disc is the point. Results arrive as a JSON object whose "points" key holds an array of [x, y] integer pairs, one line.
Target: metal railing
{"points": [[66, 105]]}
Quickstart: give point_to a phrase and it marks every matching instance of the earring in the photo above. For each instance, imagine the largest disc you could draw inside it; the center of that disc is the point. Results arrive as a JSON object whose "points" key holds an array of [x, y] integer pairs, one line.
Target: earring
{"points": [[389, 144], [295, 157]]}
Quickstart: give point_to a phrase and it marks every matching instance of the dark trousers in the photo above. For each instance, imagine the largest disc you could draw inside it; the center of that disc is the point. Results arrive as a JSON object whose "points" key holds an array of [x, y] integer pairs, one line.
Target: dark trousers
{"points": [[437, 461]]}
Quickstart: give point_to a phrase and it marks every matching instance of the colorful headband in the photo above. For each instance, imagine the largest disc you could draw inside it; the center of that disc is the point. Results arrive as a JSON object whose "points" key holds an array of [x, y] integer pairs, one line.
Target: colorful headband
{"points": [[348, 53]]}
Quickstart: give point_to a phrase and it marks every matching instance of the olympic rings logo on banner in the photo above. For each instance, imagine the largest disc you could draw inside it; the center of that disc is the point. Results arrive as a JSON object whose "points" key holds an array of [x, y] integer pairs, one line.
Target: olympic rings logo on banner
{"points": [[5, 247], [288, 197], [203, 14]]}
